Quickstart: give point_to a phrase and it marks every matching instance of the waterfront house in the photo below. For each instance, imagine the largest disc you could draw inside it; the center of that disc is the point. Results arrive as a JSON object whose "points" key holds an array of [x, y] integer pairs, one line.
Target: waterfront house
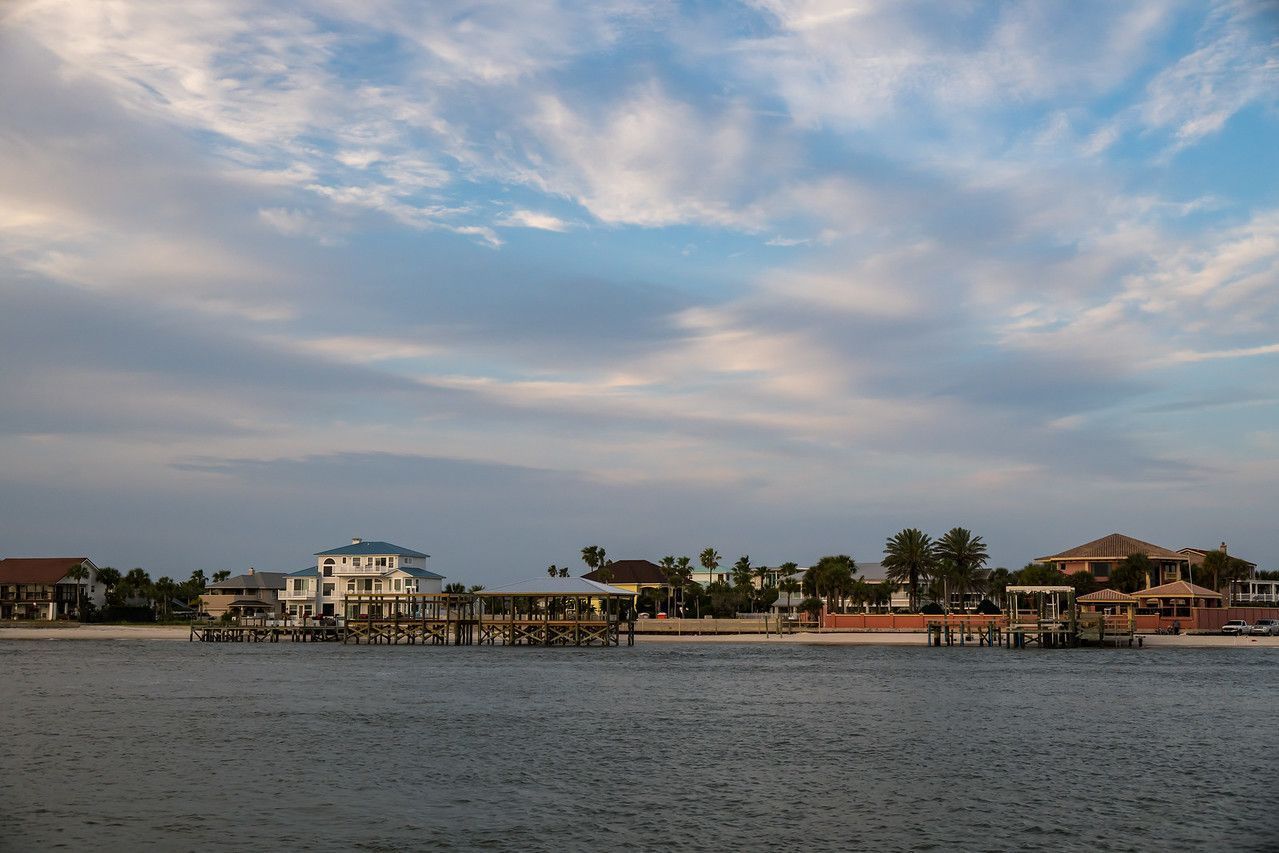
{"points": [[42, 587], [1101, 556], [301, 589], [631, 575], [1254, 592], [369, 568], [252, 594]]}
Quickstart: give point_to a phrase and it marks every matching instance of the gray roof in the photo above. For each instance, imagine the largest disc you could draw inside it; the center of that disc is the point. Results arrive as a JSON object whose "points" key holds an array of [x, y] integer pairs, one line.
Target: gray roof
{"points": [[558, 586], [371, 549], [257, 580], [413, 571]]}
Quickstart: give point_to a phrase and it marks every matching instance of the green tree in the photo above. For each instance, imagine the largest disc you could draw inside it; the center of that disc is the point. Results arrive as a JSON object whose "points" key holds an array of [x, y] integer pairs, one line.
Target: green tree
{"points": [[1222, 569], [1132, 573], [79, 573], [667, 565], [165, 589], [1040, 574], [831, 579], [743, 573], [683, 582], [222, 575], [908, 559], [962, 559], [474, 588], [709, 558], [110, 579], [997, 582], [455, 588]]}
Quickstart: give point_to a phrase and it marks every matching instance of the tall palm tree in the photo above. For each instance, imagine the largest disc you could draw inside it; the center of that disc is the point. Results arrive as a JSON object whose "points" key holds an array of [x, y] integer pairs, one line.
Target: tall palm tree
{"points": [[709, 558], [667, 564], [222, 575], [908, 558], [110, 579], [79, 573], [962, 557], [683, 580], [455, 588], [552, 570], [563, 571]]}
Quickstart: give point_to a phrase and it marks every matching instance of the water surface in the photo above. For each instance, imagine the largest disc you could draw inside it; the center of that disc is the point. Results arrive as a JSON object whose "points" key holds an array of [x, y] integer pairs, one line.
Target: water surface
{"points": [[155, 745]]}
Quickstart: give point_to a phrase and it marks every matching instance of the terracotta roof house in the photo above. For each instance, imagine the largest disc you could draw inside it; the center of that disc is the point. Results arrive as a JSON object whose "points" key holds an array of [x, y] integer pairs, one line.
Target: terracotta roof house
{"points": [[41, 587], [1101, 555]]}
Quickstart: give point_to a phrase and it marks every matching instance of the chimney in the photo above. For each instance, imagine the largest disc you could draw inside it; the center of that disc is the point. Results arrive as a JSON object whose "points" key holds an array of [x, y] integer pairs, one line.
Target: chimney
{"points": [[1223, 547], [355, 540], [251, 571]]}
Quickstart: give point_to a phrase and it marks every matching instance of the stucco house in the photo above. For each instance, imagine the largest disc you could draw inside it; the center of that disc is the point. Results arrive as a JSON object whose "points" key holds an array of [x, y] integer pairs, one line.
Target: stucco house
{"points": [[42, 588], [1101, 556]]}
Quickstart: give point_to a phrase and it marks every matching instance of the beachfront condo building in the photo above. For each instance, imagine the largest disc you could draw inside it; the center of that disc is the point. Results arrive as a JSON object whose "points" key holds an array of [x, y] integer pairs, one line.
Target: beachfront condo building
{"points": [[44, 587], [361, 568]]}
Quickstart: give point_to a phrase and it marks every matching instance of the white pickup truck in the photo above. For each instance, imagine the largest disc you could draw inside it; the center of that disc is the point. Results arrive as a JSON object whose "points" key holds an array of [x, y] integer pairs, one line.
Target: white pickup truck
{"points": [[1235, 627]]}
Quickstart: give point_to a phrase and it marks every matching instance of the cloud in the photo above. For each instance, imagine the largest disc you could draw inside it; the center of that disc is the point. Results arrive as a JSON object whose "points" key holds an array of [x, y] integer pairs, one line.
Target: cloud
{"points": [[533, 219]]}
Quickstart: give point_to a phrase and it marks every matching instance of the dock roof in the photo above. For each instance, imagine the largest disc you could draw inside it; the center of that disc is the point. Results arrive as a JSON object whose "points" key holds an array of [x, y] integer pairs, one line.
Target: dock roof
{"points": [[1177, 589], [557, 586], [1107, 596]]}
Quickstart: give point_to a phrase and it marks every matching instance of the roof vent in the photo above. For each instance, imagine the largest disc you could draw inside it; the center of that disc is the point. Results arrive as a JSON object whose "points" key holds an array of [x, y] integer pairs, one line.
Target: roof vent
{"points": [[355, 540]]}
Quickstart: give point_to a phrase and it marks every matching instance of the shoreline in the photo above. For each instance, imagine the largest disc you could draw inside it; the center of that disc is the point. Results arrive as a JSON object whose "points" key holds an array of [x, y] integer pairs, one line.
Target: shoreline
{"points": [[172, 633]]}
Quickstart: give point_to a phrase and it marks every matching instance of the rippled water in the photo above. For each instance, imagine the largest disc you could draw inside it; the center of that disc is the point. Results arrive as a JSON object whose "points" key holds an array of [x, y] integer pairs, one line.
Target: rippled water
{"points": [[132, 744]]}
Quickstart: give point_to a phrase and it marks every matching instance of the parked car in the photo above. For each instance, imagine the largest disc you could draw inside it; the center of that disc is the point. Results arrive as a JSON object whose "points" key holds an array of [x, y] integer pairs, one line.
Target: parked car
{"points": [[1235, 627], [1265, 628]]}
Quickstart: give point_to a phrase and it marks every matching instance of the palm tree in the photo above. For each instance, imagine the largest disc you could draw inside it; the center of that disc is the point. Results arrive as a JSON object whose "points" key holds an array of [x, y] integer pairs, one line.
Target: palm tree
{"points": [[552, 570], [164, 590], [1132, 573], [474, 588], [963, 557], [709, 559], [110, 579], [455, 588], [79, 573], [667, 565], [220, 576], [683, 580], [831, 578], [908, 557]]}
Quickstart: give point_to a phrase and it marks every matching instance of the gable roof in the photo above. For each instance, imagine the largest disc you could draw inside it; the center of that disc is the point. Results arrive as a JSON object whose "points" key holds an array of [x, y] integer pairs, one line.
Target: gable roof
{"points": [[557, 586], [309, 571], [415, 572], [1182, 589], [1116, 546], [371, 549], [257, 580], [629, 571], [43, 570], [1107, 596], [1204, 552]]}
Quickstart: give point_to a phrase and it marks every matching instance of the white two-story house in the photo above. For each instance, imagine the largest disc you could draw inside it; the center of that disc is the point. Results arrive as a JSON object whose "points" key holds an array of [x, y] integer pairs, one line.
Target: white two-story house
{"points": [[355, 569]]}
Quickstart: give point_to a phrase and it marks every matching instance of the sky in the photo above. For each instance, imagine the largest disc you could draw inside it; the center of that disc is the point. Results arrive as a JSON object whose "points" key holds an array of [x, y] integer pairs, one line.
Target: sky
{"points": [[497, 281]]}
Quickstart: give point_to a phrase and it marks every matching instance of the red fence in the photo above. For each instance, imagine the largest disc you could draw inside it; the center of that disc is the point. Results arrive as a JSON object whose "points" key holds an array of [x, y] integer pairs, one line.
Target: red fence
{"points": [[1200, 619]]}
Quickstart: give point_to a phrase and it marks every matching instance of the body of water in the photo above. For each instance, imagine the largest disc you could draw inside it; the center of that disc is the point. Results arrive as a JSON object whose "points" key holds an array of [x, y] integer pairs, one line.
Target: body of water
{"points": [[132, 745]]}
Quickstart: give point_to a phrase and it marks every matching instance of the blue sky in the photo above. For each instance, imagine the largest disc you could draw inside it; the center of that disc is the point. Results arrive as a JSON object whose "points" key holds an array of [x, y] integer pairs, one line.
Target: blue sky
{"points": [[497, 281]]}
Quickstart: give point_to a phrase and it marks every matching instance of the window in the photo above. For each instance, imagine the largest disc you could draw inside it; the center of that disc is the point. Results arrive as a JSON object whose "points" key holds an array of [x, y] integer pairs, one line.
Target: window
{"points": [[328, 567], [328, 589], [367, 586], [377, 587], [381, 561], [350, 586], [397, 584], [1101, 571], [344, 561]]}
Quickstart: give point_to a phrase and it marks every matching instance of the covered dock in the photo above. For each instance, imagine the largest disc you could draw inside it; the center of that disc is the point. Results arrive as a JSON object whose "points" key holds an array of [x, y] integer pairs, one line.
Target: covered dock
{"points": [[557, 612]]}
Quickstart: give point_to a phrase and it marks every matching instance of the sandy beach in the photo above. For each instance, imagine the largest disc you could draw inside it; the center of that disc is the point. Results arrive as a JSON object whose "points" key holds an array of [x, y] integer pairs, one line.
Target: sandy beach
{"points": [[826, 638]]}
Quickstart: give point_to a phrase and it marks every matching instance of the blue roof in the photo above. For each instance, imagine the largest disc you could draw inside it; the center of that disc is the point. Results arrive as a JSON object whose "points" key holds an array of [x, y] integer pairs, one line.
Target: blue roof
{"points": [[371, 549], [301, 573], [413, 571]]}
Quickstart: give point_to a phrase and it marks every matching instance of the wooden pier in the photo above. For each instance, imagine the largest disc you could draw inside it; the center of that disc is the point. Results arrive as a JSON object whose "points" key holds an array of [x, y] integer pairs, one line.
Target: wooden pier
{"points": [[553, 612]]}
